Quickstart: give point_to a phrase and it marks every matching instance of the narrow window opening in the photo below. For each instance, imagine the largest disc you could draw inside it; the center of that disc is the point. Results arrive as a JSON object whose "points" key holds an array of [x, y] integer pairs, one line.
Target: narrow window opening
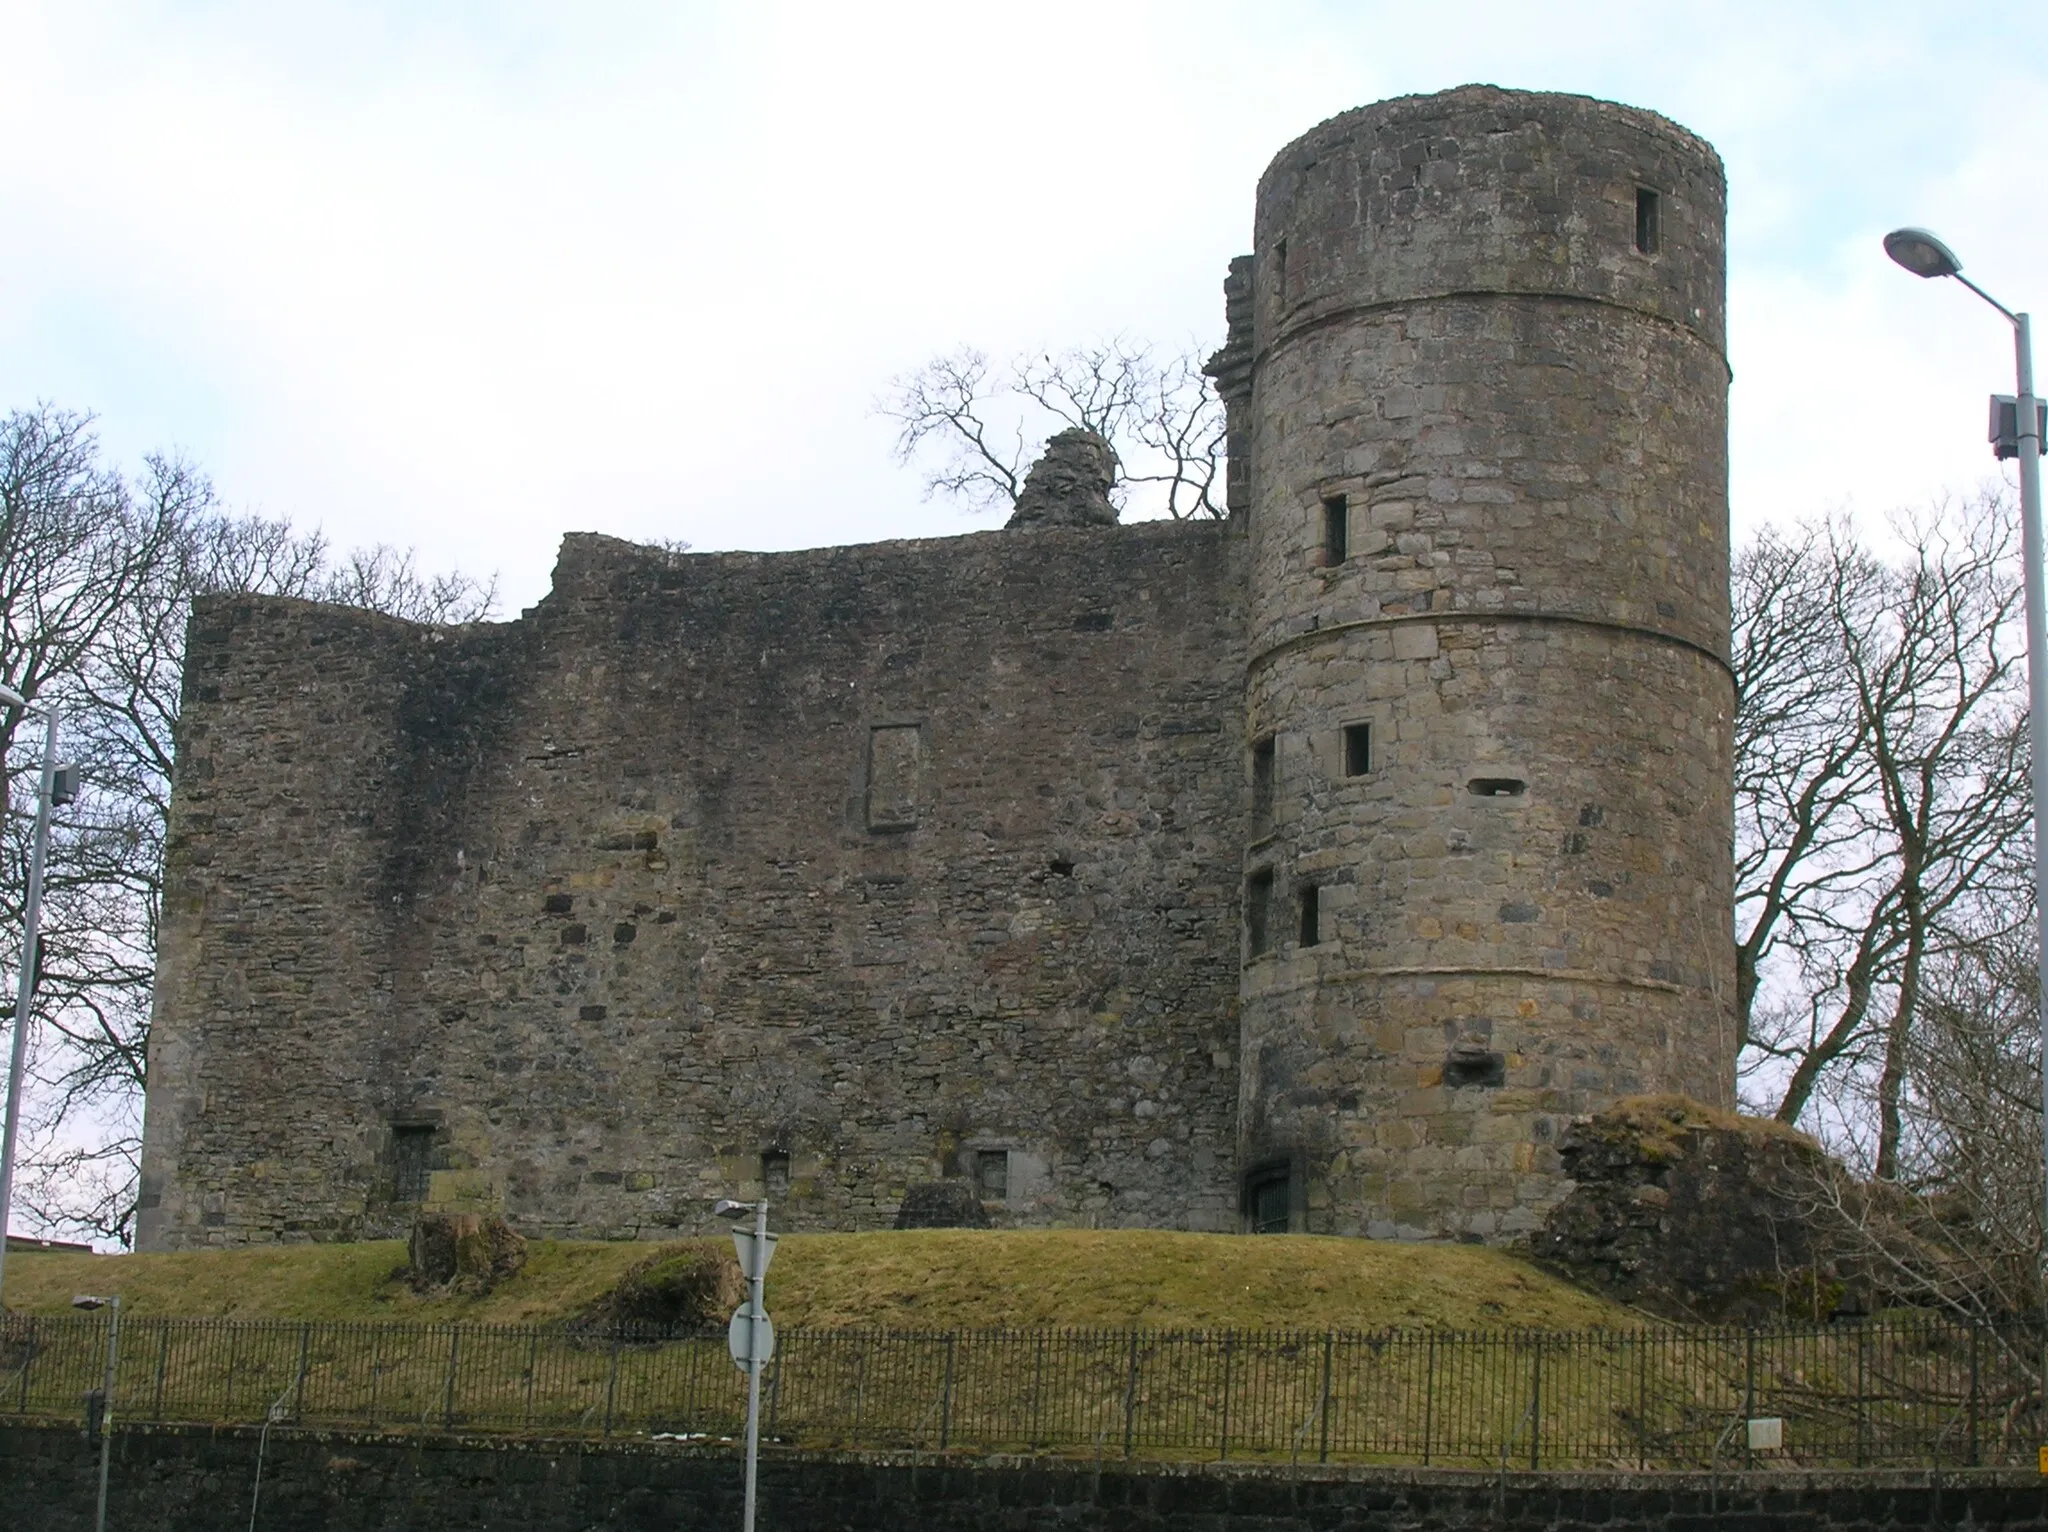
{"points": [[1496, 787], [1280, 260], [1258, 911], [412, 1161], [1357, 749], [1269, 1199], [1470, 1065], [1311, 915], [1649, 218], [774, 1173], [992, 1174], [1336, 529], [1262, 785]]}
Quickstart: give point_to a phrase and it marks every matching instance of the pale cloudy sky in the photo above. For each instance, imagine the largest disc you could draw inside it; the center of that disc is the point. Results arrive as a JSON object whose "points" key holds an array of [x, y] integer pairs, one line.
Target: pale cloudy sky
{"points": [[466, 276]]}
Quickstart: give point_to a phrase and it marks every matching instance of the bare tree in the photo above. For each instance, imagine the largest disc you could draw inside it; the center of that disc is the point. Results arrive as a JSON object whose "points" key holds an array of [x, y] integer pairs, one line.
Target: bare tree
{"points": [[978, 423], [1880, 795], [102, 571], [1959, 1227]]}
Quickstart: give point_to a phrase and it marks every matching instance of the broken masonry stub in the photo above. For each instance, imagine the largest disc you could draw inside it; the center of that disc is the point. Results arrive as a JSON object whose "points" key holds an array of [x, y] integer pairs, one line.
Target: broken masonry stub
{"points": [[1069, 485]]}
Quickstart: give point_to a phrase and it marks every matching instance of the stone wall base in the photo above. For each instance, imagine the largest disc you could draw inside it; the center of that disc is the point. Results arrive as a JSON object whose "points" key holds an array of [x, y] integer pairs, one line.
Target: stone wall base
{"points": [[194, 1479]]}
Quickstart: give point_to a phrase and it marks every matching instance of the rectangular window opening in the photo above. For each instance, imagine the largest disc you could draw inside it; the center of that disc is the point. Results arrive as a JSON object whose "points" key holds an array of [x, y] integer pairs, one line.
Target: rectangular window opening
{"points": [[1258, 911], [1649, 234], [895, 760], [1280, 261], [1262, 785], [774, 1172], [1269, 1200], [1311, 915], [992, 1174], [1336, 529], [412, 1162], [1357, 749]]}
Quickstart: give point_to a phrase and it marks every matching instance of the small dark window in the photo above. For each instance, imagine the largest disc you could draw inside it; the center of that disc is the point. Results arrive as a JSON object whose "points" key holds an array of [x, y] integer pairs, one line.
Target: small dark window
{"points": [[1475, 1066], [1269, 1200], [1258, 911], [774, 1172], [1357, 749], [1496, 787], [992, 1174], [1262, 785], [1311, 915], [1336, 529], [412, 1162], [1649, 220], [1280, 262]]}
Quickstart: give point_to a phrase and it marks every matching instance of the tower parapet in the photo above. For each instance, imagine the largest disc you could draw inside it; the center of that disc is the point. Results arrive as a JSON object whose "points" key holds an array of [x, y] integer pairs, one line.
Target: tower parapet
{"points": [[1489, 703]]}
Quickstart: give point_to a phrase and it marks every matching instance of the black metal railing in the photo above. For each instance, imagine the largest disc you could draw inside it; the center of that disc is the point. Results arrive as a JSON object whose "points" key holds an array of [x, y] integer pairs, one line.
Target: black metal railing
{"points": [[1916, 1391]]}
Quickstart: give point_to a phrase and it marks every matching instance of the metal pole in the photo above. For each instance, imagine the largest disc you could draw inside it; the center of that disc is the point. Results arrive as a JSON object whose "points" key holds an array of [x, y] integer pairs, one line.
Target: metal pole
{"points": [[2029, 424], [107, 1410], [755, 1312], [31, 929]]}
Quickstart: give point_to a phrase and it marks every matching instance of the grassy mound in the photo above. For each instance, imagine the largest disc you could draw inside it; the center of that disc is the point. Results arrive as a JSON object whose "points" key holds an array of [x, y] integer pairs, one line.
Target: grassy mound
{"points": [[923, 1279]]}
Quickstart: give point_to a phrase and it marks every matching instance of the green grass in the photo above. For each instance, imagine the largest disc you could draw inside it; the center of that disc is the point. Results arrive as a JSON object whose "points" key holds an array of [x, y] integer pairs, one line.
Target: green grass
{"points": [[928, 1279]]}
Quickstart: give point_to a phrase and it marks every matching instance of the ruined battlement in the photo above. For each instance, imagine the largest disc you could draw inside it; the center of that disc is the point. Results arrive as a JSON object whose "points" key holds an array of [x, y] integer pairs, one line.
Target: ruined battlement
{"points": [[835, 868]]}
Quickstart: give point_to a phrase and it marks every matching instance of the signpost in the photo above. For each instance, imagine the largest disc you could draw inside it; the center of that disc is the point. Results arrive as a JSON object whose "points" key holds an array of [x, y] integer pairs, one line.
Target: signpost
{"points": [[751, 1336]]}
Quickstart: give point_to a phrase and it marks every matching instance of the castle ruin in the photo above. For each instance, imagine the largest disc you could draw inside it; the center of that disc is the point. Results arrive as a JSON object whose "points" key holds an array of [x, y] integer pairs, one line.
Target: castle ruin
{"points": [[1308, 870]]}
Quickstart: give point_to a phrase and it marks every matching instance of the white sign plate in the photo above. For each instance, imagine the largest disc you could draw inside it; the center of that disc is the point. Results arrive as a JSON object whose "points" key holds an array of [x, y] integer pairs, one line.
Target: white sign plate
{"points": [[743, 1243], [739, 1334]]}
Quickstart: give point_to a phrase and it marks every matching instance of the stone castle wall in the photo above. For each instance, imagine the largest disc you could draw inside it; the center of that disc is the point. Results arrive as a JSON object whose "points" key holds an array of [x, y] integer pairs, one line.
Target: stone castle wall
{"points": [[1487, 650], [841, 867]]}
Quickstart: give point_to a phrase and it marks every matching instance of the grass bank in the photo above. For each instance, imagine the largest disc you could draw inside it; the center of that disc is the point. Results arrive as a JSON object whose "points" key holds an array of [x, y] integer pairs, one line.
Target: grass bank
{"points": [[925, 1279]]}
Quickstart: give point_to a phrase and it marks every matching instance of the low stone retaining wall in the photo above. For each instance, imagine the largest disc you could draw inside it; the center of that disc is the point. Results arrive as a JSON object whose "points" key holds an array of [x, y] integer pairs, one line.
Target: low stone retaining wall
{"points": [[171, 1479]]}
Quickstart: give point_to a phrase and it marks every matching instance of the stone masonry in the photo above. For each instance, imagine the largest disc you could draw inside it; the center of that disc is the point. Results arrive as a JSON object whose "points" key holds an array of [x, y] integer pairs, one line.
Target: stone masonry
{"points": [[1308, 870]]}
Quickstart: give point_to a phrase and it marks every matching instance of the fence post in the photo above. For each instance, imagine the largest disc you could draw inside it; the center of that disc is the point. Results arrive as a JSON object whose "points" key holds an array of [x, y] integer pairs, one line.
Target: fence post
{"points": [[1131, 1394], [611, 1384], [29, 1348], [376, 1369], [1429, 1400], [448, 1394], [1329, 1345], [1229, 1349], [860, 1387], [1862, 1407], [1748, 1392], [1536, 1404], [1642, 1400], [532, 1359], [163, 1358], [946, 1395], [299, 1383], [1038, 1392], [1974, 1331]]}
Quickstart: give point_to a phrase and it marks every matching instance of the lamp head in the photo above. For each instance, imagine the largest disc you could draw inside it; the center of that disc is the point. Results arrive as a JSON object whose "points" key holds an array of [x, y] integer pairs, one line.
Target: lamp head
{"points": [[1921, 253], [89, 1301], [9, 697], [725, 1207]]}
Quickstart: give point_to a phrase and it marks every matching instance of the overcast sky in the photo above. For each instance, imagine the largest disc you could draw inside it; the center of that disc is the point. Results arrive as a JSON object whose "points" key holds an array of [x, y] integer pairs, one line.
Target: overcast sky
{"points": [[468, 276]]}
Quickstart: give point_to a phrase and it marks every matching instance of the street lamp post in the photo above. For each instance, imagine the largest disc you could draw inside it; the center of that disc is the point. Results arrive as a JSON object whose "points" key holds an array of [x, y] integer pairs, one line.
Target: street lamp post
{"points": [[59, 785], [91, 1301], [1925, 256]]}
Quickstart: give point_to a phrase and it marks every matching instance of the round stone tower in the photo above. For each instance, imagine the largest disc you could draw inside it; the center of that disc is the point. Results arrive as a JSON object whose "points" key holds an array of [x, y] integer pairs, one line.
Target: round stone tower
{"points": [[1488, 886]]}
